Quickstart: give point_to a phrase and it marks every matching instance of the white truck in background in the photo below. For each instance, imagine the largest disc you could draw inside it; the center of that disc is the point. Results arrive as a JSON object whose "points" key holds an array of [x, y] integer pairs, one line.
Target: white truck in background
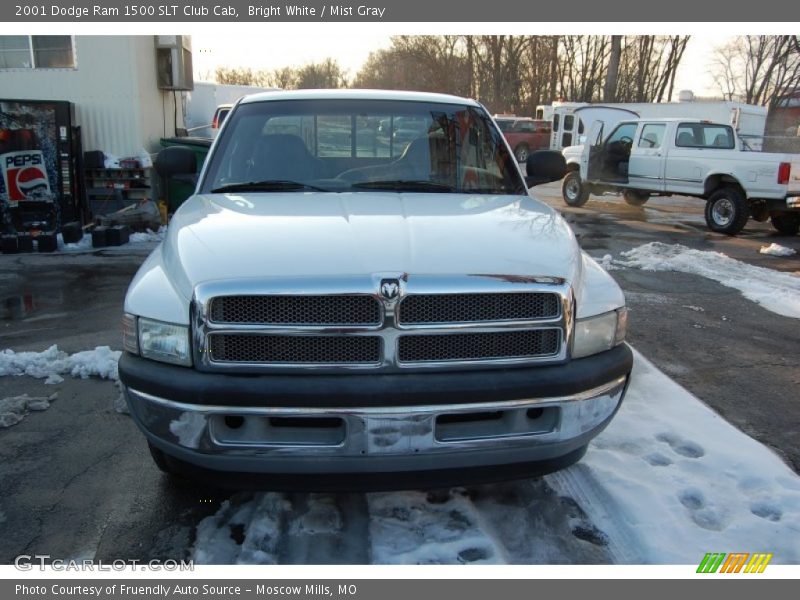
{"points": [[640, 158], [568, 124]]}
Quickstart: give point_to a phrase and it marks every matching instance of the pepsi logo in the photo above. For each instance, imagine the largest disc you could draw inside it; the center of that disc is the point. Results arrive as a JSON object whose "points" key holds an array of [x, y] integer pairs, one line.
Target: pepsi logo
{"points": [[31, 179]]}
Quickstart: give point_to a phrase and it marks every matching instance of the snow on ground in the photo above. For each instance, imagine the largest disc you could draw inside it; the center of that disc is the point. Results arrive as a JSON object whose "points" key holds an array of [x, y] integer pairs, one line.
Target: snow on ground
{"points": [[777, 250], [607, 262], [84, 244], [136, 238], [682, 481], [16, 408], [149, 236], [52, 363], [774, 290], [668, 481]]}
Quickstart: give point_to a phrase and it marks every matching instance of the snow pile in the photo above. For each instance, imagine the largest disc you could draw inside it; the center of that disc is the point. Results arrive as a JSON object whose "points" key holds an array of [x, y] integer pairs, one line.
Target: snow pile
{"points": [[52, 363], [149, 235], [607, 262], [406, 528], [243, 534], [678, 480], [16, 408], [84, 244], [777, 250], [775, 291]]}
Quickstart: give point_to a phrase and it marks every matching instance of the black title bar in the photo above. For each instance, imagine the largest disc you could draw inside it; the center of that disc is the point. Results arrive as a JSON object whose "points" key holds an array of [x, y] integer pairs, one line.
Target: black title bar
{"points": [[459, 11]]}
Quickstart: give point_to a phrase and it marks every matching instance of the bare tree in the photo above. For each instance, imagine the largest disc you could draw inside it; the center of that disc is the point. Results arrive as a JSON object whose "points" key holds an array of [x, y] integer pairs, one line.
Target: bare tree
{"points": [[648, 67], [758, 69], [612, 76]]}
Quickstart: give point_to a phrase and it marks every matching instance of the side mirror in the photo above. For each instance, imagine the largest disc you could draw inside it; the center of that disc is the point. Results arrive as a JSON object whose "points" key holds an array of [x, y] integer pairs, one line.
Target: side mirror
{"points": [[544, 166], [176, 160]]}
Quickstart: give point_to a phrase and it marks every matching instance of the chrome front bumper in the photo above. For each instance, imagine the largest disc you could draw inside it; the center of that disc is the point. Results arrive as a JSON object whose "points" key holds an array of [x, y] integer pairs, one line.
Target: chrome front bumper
{"points": [[317, 440]]}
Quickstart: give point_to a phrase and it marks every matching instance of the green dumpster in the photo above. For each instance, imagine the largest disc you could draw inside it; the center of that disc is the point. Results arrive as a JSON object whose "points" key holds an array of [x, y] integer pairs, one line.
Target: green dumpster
{"points": [[179, 189]]}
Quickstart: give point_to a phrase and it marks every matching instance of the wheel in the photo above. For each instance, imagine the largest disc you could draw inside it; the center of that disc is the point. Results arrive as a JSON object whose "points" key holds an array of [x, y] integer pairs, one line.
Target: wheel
{"points": [[786, 223], [727, 211], [635, 198], [521, 153], [573, 190]]}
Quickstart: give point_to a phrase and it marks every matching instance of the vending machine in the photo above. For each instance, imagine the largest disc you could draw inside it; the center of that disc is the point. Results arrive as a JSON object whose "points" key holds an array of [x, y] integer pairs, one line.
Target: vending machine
{"points": [[39, 150]]}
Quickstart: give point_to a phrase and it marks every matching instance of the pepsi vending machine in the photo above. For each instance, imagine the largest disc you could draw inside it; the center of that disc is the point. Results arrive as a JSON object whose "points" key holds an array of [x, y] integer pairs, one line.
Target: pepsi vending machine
{"points": [[39, 148]]}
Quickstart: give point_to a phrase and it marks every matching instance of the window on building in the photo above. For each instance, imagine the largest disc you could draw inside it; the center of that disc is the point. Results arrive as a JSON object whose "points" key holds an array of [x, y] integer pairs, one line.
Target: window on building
{"points": [[36, 52]]}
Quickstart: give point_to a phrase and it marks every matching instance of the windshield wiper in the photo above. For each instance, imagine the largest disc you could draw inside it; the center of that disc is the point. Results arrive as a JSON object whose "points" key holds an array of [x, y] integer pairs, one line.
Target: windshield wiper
{"points": [[404, 185], [267, 185]]}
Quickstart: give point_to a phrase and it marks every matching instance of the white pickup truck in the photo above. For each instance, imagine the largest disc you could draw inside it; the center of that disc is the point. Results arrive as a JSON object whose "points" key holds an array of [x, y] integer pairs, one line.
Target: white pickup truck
{"points": [[645, 157], [338, 302]]}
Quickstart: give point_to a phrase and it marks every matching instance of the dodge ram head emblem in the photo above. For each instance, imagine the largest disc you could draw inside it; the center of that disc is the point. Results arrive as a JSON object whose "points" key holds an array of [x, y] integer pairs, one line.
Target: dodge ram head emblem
{"points": [[390, 288]]}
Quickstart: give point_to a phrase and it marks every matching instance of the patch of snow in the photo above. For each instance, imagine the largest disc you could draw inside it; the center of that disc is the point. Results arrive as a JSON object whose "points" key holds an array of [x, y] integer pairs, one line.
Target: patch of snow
{"points": [[52, 363], [777, 250], [16, 408], [682, 480], [405, 528], [256, 524], [694, 308], [149, 235], [84, 244], [775, 291], [607, 262]]}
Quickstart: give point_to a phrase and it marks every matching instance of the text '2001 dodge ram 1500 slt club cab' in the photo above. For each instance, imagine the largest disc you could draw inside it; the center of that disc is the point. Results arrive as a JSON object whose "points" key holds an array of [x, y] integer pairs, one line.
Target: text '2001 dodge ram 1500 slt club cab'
{"points": [[333, 301]]}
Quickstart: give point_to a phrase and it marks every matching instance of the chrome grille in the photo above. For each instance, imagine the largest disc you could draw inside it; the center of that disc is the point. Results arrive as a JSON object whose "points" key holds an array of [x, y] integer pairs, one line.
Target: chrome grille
{"points": [[294, 349], [296, 310], [479, 346], [476, 308]]}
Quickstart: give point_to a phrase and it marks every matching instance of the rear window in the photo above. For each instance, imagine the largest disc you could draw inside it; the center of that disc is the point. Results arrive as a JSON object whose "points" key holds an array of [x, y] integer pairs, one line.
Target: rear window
{"points": [[704, 135]]}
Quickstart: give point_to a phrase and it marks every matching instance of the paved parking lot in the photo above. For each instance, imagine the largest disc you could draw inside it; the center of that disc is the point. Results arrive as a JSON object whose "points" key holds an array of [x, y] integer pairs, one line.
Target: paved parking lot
{"points": [[77, 480]]}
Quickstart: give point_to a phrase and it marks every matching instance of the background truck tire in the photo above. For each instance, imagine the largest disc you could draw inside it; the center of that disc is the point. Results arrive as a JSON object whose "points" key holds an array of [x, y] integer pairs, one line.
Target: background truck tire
{"points": [[635, 197], [786, 223], [521, 152], [727, 210], [574, 191]]}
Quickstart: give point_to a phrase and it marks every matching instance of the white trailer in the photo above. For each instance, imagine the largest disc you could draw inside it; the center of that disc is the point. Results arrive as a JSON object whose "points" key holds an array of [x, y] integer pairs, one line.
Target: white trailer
{"points": [[204, 99], [748, 120]]}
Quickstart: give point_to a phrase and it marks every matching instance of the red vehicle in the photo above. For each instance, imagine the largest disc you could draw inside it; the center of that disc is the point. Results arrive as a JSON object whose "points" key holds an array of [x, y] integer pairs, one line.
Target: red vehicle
{"points": [[524, 134]]}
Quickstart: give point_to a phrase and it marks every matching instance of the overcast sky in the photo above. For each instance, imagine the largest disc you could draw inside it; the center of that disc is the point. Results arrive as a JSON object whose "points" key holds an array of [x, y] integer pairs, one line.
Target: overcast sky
{"points": [[291, 49]]}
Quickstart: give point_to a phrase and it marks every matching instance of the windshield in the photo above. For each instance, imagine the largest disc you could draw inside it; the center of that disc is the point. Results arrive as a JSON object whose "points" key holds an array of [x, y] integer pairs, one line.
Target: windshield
{"points": [[344, 145]]}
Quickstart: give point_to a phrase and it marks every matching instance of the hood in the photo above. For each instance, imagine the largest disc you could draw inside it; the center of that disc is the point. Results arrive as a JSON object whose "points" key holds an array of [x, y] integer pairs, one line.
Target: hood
{"points": [[310, 234]]}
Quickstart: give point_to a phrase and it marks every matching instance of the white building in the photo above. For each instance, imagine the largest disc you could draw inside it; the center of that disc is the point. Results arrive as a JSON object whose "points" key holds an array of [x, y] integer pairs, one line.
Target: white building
{"points": [[113, 82]]}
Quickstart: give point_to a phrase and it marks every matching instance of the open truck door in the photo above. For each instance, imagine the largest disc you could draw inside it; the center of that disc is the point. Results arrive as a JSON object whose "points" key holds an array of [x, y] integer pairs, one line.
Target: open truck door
{"points": [[599, 121]]}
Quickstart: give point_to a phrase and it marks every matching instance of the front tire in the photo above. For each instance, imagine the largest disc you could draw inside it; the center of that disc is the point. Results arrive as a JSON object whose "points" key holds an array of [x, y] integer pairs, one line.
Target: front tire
{"points": [[786, 223], [635, 197], [522, 153], [727, 211], [573, 190]]}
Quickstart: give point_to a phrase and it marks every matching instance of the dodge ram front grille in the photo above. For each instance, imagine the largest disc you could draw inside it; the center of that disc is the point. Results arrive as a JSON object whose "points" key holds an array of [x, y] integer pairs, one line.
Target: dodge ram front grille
{"points": [[294, 349], [475, 308], [479, 346], [352, 310], [380, 323]]}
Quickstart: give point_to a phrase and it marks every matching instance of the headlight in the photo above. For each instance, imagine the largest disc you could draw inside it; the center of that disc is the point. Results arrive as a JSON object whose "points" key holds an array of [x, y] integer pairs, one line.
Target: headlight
{"points": [[165, 342], [600, 333]]}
